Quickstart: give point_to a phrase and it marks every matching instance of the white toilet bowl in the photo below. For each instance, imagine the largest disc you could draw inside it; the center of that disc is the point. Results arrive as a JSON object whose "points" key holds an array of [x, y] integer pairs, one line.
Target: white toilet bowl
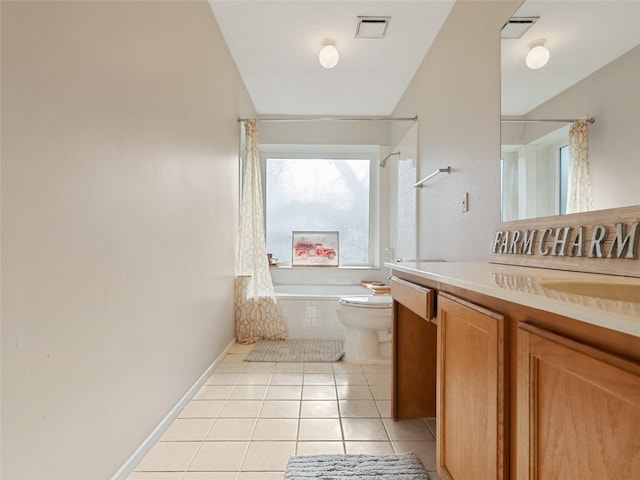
{"points": [[368, 320]]}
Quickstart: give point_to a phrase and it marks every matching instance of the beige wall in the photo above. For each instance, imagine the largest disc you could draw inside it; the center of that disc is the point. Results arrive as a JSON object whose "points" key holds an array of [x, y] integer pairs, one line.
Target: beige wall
{"points": [[456, 95], [119, 212]]}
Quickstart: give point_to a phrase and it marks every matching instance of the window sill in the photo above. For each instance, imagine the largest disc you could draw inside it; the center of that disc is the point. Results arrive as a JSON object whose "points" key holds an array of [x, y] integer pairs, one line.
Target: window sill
{"points": [[345, 267]]}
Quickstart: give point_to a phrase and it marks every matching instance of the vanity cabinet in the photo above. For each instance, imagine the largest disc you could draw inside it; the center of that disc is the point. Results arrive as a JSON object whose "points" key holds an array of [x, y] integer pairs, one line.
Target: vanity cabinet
{"points": [[578, 409], [471, 391], [518, 393]]}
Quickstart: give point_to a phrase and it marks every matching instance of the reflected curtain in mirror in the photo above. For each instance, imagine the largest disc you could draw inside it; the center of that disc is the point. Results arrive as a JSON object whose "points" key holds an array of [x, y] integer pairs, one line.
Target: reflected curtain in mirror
{"points": [[579, 195], [256, 312]]}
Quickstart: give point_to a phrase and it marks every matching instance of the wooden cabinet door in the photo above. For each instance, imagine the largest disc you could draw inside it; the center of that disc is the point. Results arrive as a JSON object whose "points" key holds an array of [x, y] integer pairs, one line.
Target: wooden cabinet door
{"points": [[471, 392], [578, 410]]}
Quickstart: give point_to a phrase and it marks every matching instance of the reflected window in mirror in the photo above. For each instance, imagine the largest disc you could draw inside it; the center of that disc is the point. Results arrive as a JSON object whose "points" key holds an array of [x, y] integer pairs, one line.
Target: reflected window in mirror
{"points": [[534, 176], [563, 154]]}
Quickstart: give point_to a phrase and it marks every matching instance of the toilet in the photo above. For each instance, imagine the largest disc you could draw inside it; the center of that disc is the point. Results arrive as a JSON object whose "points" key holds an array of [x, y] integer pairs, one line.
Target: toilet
{"points": [[368, 320]]}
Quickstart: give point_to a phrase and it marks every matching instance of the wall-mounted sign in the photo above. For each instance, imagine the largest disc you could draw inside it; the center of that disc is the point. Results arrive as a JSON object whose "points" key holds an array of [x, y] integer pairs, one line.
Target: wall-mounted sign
{"points": [[605, 241]]}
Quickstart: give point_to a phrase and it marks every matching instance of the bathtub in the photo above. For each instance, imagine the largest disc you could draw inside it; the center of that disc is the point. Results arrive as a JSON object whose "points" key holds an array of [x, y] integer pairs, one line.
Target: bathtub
{"points": [[310, 310]]}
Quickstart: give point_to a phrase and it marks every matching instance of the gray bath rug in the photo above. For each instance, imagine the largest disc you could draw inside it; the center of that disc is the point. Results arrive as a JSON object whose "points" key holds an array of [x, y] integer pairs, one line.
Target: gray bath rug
{"points": [[296, 350], [355, 467]]}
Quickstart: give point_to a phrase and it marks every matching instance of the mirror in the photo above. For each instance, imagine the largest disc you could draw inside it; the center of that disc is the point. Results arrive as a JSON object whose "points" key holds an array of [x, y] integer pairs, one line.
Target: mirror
{"points": [[593, 71]]}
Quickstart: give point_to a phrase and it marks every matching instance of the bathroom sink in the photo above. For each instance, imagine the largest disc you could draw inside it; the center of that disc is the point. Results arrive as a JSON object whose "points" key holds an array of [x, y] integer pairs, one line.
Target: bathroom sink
{"points": [[617, 291]]}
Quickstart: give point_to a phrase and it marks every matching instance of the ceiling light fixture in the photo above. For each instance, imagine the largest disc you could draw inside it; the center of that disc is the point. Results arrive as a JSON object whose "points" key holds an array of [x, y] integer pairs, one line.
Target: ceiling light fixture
{"points": [[538, 55], [329, 55]]}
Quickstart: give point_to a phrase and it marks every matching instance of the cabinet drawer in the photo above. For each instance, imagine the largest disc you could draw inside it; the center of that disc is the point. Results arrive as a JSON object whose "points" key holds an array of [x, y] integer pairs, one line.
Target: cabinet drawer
{"points": [[418, 299]]}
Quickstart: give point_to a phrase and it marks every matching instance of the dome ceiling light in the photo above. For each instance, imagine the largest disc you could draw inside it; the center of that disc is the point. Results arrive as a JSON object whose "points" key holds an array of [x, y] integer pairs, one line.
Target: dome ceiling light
{"points": [[329, 55], [538, 55]]}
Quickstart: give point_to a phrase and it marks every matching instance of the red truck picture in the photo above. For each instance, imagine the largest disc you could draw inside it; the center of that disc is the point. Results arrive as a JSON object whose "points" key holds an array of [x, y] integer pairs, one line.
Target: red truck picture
{"points": [[304, 249]]}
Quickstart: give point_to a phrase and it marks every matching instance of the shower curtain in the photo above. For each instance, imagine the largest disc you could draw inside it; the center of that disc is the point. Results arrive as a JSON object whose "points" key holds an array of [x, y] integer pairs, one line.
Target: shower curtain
{"points": [[579, 196], [256, 311]]}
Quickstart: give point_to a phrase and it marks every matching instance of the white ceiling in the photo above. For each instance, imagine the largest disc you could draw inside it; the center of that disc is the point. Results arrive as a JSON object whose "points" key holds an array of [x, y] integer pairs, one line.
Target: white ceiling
{"points": [[275, 45], [582, 36]]}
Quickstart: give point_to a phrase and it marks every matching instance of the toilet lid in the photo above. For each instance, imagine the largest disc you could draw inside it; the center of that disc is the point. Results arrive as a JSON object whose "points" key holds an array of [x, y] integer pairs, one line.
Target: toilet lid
{"points": [[367, 301]]}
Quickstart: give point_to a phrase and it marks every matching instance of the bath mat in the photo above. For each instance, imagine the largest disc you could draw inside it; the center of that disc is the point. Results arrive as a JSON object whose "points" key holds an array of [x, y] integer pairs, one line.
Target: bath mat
{"points": [[355, 467], [296, 350]]}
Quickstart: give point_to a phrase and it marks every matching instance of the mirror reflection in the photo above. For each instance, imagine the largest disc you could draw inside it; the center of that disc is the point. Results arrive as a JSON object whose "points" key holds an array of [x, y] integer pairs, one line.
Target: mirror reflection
{"points": [[585, 76]]}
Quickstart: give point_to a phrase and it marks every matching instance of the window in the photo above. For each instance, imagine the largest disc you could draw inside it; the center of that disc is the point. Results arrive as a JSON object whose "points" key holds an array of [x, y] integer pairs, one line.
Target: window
{"points": [[564, 177], [316, 193]]}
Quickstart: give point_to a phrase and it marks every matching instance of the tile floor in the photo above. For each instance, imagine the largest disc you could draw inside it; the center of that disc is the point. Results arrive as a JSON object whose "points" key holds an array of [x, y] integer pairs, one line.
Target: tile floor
{"points": [[250, 417]]}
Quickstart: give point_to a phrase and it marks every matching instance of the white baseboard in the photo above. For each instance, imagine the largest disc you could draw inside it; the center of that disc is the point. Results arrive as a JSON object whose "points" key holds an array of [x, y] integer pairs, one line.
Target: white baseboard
{"points": [[129, 466]]}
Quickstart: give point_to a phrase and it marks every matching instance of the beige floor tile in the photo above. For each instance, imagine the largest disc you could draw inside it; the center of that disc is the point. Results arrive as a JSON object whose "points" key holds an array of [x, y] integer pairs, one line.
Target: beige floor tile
{"points": [[431, 423], [384, 407], [364, 429], [433, 475], [377, 368], [319, 379], [268, 456], [286, 379], [210, 476], [378, 378], [321, 429], [381, 392], [234, 358], [350, 379], [354, 392], [241, 409], [219, 456], [426, 452], [248, 392], [318, 392], [231, 429], [254, 379], [413, 429], [319, 409], [241, 348], [260, 367], [318, 367], [284, 392], [342, 367], [286, 367], [251, 413], [358, 408], [187, 429], [275, 429], [280, 409], [320, 448], [222, 379], [155, 476], [213, 392], [261, 475], [202, 409], [231, 368], [368, 448], [168, 457]]}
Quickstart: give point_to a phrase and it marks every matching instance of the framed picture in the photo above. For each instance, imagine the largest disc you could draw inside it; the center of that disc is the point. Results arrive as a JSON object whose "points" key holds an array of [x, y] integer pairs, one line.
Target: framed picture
{"points": [[314, 249]]}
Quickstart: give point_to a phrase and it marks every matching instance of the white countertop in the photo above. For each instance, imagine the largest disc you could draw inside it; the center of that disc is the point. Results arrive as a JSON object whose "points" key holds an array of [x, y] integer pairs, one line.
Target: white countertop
{"points": [[523, 285]]}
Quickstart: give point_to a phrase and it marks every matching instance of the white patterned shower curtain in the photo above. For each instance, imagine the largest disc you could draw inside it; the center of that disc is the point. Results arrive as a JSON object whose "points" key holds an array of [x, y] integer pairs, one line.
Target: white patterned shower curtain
{"points": [[579, 196], [256, 311]]}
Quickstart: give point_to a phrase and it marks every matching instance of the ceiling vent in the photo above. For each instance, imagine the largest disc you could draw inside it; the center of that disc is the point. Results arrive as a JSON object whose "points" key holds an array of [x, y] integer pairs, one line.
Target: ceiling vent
{"points": [[517, 26], [371, 27]]}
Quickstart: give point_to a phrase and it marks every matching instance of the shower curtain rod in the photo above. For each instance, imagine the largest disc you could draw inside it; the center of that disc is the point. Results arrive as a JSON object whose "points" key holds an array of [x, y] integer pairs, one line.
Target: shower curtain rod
{"points": [[331, 119], [558, 120]]}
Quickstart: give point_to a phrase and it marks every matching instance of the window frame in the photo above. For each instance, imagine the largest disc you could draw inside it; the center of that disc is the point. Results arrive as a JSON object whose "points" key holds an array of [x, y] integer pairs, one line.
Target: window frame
{"points": [[334, 152]]}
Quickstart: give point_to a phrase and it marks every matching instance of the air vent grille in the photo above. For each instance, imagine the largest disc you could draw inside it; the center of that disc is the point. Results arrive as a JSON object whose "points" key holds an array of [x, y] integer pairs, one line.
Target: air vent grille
{"points": [[517, 26], [371, 27]]}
